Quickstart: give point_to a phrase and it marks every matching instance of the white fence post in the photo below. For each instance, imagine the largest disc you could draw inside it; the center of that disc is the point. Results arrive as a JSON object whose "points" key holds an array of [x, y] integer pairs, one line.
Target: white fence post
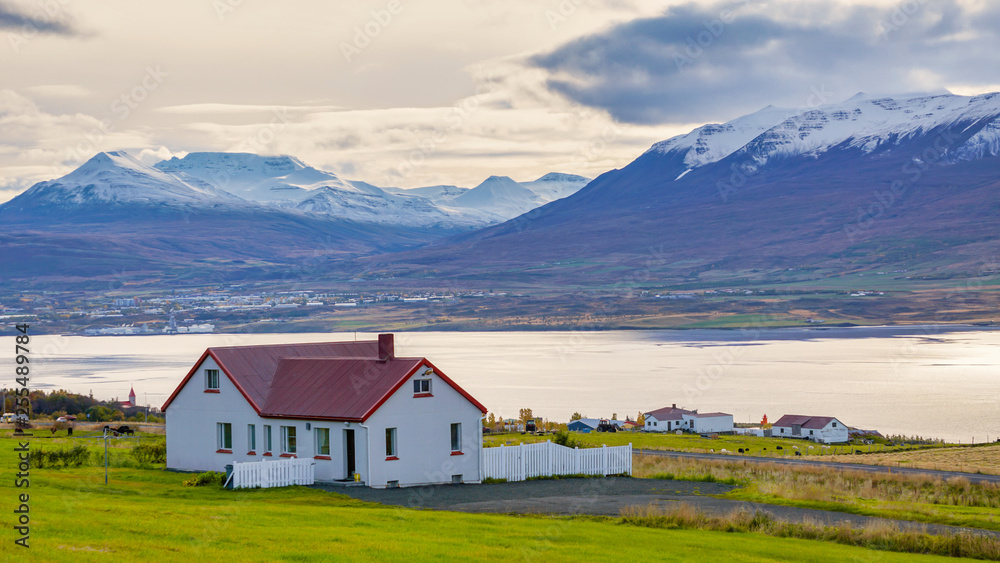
{"points": [[278, 473]]}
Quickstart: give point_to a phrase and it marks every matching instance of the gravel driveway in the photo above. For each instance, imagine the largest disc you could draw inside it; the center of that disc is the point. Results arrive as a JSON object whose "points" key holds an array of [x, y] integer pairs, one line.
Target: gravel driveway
{"points": [[604, 496]]}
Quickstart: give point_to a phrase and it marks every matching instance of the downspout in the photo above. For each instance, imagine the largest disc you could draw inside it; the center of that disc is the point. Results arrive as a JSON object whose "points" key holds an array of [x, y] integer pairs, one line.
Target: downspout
{"points": [[482, 454], [368, 451]]}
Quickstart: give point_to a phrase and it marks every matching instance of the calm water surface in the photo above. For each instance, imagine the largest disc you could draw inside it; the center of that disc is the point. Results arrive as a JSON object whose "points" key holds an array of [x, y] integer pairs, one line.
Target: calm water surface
{"points": [[917, 381]]}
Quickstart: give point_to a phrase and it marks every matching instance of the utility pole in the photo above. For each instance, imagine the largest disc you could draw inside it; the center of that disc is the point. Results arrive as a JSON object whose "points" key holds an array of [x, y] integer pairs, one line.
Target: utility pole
{"points": [[105, 455]]}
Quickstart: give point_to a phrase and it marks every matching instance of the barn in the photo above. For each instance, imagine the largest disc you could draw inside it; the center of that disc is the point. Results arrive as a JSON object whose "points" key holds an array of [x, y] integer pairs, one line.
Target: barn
{"points": [[353, 407]]}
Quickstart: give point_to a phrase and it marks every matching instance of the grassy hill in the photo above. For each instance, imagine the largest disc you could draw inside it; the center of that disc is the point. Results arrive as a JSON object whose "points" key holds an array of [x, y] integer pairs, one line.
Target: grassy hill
{"points": [[148, 514]]}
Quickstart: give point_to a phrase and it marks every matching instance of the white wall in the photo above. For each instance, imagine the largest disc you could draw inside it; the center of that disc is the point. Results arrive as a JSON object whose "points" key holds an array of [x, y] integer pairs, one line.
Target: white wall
{"points": [[665, 425], [705, 424], [827, 435], [191, 431], [423, 436], [192, 418]]}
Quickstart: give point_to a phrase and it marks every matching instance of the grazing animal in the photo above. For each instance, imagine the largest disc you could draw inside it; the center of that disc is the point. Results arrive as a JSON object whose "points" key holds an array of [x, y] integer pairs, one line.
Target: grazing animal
{"points": [[779, 448], [798, 453], [62, 425], [741, 450], [857, 451], [724, 451], [796, 447], [124, 429]]}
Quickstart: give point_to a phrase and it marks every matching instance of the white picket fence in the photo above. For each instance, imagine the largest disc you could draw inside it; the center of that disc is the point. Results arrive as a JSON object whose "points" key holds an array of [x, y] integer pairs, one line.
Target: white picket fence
{"points": [[545, 459], [277, 473]]}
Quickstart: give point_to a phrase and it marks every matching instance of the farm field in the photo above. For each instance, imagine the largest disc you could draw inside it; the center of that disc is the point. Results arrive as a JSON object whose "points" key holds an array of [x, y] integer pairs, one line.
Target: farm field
{"points": [[146, 513], [752, 445], [918, 498], [976, 459]]}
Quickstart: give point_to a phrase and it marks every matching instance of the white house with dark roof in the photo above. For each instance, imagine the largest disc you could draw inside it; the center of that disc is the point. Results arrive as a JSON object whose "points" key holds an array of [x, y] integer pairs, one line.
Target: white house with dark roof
{"points": [[352, 407], [822, 429], [671, 419]]}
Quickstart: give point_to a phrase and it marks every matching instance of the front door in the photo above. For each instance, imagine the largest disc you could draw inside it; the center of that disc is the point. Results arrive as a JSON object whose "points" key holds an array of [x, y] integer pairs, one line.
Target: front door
{"points": [[349, 452]]}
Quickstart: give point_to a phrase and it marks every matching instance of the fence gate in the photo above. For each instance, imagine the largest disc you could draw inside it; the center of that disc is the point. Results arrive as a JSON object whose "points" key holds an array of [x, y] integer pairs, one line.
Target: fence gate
{"points": [[545, 459]]}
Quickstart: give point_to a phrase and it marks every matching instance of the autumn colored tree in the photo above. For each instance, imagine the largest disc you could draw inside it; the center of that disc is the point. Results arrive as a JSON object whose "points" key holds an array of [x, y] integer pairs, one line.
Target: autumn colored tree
{"points": [[524, 415]]}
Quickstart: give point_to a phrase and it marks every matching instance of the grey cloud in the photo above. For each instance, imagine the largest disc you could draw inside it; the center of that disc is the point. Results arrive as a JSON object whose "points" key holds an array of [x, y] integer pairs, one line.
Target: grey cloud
{"points": [[11, 18], [699, 63]]}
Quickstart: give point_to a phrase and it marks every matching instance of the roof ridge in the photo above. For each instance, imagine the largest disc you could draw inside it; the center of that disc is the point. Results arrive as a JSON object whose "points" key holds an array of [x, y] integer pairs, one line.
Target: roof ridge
{"points": [[293, 344]]}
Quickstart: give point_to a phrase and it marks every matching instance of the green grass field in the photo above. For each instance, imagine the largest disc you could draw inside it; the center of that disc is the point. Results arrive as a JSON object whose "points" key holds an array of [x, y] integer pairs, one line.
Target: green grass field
{"points": [[148, 514], [695, 443]]}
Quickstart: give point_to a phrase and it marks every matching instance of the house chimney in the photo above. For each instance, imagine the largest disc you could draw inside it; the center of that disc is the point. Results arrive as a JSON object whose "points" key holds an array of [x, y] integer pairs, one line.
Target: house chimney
{"points": [[385, 347], [675, 406]]}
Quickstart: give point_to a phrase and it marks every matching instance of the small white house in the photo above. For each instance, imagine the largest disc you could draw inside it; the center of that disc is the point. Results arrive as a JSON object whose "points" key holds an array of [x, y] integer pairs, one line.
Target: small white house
{"points": [[353, 407], [671, 419], [822, 429]]}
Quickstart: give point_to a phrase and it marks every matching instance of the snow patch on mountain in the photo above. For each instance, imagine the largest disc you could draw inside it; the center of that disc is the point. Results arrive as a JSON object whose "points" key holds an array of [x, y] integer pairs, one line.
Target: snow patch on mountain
{"points": [[556, 185], [713, 142], [117, 177], [864, 122], [500, 195]]}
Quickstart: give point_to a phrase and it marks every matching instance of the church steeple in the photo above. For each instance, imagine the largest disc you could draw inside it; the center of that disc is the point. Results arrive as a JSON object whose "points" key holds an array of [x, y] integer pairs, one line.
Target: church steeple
{"points": [[131, 396]]}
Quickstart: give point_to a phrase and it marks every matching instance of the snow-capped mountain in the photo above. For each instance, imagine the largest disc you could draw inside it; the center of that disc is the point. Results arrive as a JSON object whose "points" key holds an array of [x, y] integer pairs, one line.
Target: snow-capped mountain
{"points": [[117, 178], [556, 185], [904, 183], [866, 123], [287, 182], [259, 178], [500, 195]]}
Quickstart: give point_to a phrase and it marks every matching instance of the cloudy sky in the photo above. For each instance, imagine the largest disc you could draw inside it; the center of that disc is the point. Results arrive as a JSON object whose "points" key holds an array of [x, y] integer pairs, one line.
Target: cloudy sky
{"points": [[422, 92]]}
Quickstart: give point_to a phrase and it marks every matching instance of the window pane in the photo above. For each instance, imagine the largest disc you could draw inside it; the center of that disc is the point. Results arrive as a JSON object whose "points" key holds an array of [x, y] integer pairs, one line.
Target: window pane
{"points": [[323, 441], [416, 385], [456, 437], [212, 378], [390, 442], [291, 439]]}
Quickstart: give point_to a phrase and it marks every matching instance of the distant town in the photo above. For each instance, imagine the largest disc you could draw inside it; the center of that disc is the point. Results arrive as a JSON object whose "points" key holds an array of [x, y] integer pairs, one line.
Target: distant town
{"points": [[247, 309]]}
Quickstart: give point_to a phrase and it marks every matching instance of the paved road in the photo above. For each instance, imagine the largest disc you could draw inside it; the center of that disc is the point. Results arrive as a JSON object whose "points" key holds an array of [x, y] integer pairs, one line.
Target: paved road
{"points": [[972, 477], [607, 496]]}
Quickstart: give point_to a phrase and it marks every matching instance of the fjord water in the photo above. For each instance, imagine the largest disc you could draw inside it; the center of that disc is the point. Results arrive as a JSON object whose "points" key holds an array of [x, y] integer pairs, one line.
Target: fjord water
{"points": [[929, 381]]}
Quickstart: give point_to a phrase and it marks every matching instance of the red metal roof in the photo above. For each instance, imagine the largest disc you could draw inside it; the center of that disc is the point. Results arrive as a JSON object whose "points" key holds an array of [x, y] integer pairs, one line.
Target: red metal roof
{"points": [[333, 388], [332, 380], [668, 413], [814, 422]]}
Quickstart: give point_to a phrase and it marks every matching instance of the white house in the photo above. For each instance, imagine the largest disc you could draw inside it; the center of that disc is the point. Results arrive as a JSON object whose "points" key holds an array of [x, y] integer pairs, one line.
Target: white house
{"points": [[670, 419], [353, 407], [822, 429]]}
